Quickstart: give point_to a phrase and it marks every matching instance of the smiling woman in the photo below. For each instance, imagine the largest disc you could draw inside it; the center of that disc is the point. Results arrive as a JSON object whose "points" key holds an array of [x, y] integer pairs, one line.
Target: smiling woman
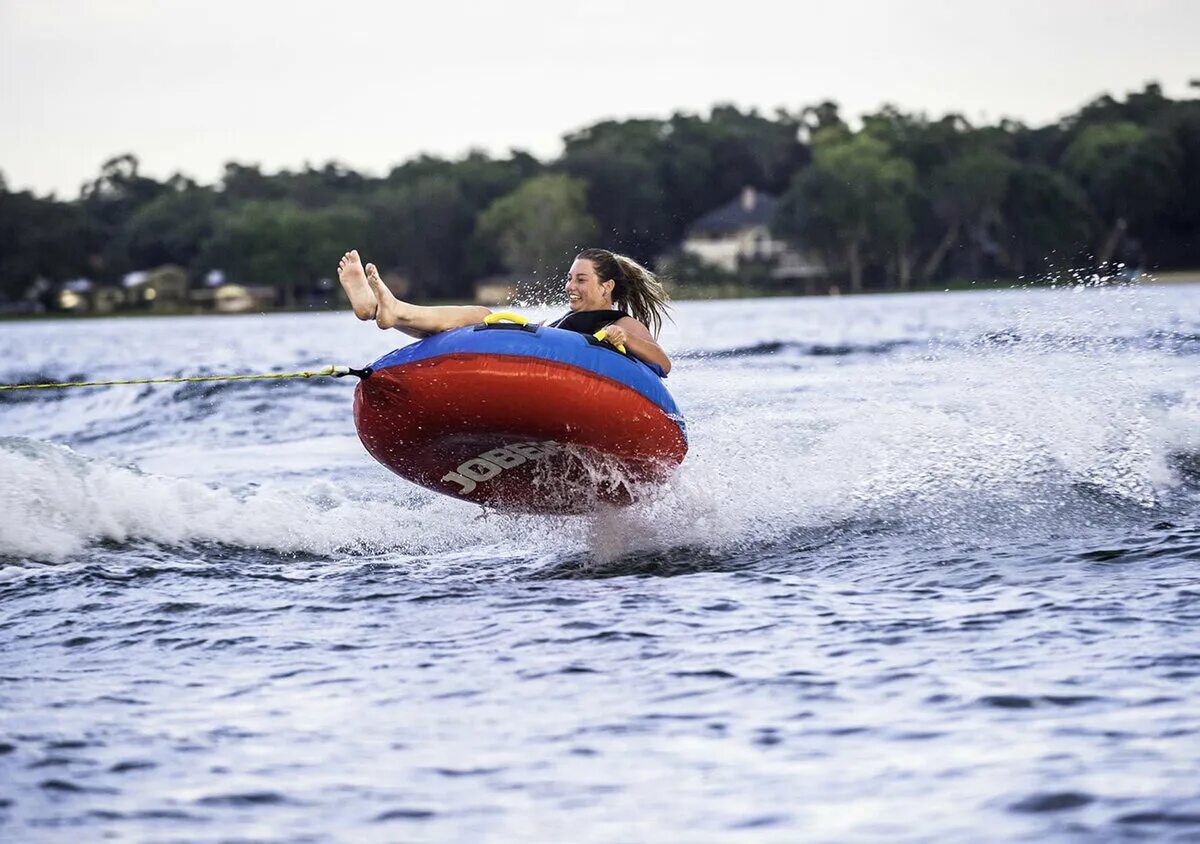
{"points": [[604, 291], [492, 410]]}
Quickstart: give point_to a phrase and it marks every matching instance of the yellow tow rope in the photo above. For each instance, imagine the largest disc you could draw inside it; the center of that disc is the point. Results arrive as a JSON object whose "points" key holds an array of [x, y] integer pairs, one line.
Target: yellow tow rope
{"points": [[335, 371]]}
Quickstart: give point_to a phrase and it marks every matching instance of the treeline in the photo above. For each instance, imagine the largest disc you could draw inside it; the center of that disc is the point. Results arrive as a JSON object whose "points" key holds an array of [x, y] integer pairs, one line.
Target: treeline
{"points": [[901, 200], [905, 199]]}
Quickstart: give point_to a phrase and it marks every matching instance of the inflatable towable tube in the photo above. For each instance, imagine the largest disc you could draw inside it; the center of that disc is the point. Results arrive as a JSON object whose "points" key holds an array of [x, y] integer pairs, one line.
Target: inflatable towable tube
{"points": [[520, 417]]}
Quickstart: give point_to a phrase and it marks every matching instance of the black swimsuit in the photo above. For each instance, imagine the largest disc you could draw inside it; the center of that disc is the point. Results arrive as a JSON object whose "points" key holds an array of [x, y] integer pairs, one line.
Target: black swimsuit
{"points": [[587, 322]]}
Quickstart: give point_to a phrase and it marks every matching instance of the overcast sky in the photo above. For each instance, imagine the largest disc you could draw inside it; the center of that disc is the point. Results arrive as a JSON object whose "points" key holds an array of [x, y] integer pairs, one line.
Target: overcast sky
{"points": [[188, 84]]}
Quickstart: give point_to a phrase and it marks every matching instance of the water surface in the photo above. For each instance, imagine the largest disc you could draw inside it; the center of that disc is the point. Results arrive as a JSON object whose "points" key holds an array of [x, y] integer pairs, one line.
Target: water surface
{"points": [[928, 573]]}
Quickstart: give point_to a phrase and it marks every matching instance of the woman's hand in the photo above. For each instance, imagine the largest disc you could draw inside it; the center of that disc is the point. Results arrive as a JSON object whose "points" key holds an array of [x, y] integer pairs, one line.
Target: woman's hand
{"points": [[636, 339], [615, 335]]}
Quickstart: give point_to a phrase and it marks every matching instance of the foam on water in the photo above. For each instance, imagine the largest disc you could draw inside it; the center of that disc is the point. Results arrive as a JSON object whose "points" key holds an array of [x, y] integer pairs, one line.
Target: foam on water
{"points": [[57, 503], [1007, 434]]}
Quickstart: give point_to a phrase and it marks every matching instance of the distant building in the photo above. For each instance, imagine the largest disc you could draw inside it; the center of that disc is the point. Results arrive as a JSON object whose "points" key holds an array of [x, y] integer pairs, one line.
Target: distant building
{"points": [[227, 298], [233, 299], [73, 296], [107, 298], [739, 234], [163, 288], [82, 295], [236, 299]]}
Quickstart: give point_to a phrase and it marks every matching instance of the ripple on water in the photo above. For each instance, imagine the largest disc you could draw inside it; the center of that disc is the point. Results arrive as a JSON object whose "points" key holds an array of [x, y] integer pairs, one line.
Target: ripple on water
{"points": [[1055, 801], [405, 815], [245, 799]]}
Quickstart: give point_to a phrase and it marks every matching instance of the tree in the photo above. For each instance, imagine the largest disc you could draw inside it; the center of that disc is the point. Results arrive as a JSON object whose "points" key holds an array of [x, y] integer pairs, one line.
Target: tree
{"points": [[1141, 108], [706, 163], [967, 194], [247, 183], [816, 119], [930, 146], [321, 187], [851, 202], [1046, 214], [428, 207], [649, 179], [281, 244], [108, 202], [39, 238], [481, 178], [539, 225], [421, 229], [619, 163], [907, 196], [1128, 173], [172, 228], [1173, 233]]}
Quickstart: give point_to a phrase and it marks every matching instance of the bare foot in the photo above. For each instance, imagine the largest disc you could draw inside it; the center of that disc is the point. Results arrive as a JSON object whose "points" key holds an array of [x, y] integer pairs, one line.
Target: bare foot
{"points": [[354, 282], [391, 311]]}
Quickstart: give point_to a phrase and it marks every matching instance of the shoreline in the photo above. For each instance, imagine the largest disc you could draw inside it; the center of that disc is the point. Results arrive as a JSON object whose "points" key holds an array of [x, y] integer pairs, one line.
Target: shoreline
{"points": [[695, 293]]}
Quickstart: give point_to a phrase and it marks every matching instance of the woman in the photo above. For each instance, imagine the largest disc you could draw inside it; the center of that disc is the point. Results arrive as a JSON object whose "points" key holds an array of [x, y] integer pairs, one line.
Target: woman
{"points": [[600, 287]]}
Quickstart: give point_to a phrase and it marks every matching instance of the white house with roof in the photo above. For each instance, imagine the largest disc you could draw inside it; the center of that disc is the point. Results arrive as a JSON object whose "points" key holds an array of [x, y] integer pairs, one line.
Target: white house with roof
{"points": [[740, 232]]}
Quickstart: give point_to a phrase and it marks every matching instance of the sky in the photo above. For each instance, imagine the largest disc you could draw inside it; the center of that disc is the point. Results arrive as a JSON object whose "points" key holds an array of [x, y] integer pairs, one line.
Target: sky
{"points": [[187, 86]]}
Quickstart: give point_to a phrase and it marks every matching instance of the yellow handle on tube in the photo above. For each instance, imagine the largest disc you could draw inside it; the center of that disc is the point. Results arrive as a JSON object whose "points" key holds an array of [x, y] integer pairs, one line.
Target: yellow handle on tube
{"points": [[601, 334], [504, 316]]}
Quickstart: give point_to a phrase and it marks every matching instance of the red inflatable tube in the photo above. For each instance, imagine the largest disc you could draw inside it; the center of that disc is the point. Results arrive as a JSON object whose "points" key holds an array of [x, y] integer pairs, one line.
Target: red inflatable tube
{"points": [[516, 433]]}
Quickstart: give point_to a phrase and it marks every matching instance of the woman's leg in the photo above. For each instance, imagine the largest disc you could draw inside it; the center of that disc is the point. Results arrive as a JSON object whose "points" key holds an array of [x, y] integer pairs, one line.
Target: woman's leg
{"points": [[418, 320], [371, 299]]}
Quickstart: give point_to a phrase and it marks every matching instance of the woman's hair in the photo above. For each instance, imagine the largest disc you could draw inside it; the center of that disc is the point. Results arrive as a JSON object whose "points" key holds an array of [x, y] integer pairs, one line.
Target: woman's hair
{"points": [[635, 289]]}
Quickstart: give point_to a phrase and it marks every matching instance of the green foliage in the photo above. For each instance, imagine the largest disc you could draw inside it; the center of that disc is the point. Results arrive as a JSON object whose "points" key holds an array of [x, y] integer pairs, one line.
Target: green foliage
{"points": [[280, 243], [247, 183], [927, 144], [969, 186], [1172, 236], [853, 201], [1126, 169], [418, 229], [648, 180], [423, 219], [481, 178], [108, 203], [688, 268], [172, 228], [620, 162], [904, 199], [538, 227], [1049, 221], [1141, 108], [39, 238]]}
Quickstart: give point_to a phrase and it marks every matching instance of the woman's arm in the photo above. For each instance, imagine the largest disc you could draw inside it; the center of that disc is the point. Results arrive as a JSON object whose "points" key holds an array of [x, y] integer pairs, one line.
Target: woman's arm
{"points": [[638, 341]]}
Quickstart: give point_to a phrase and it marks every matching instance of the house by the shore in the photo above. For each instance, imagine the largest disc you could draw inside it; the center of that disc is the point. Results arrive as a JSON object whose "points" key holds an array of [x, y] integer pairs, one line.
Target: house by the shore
{"points": [[737, 237], [163, 288]]}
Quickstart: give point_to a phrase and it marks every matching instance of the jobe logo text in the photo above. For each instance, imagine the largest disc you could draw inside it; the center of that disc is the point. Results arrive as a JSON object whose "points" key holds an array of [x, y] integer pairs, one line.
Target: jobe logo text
{"points": [[491, 463]]}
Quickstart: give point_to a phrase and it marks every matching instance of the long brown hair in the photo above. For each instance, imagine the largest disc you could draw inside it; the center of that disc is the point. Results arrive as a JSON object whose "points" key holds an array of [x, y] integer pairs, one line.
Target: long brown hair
{"points": [[635, 288]]}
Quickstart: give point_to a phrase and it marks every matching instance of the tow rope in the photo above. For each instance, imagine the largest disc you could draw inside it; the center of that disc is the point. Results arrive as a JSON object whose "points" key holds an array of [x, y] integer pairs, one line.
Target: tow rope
{"points": [[330, 371]]}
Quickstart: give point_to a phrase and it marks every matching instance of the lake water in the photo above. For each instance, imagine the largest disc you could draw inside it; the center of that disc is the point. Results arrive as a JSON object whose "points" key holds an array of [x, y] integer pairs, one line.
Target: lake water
{"points": [[931, 572]]}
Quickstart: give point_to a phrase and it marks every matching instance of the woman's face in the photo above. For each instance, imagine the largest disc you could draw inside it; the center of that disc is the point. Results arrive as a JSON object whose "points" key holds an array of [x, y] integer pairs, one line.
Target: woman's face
{"points": [[585, 291]]}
